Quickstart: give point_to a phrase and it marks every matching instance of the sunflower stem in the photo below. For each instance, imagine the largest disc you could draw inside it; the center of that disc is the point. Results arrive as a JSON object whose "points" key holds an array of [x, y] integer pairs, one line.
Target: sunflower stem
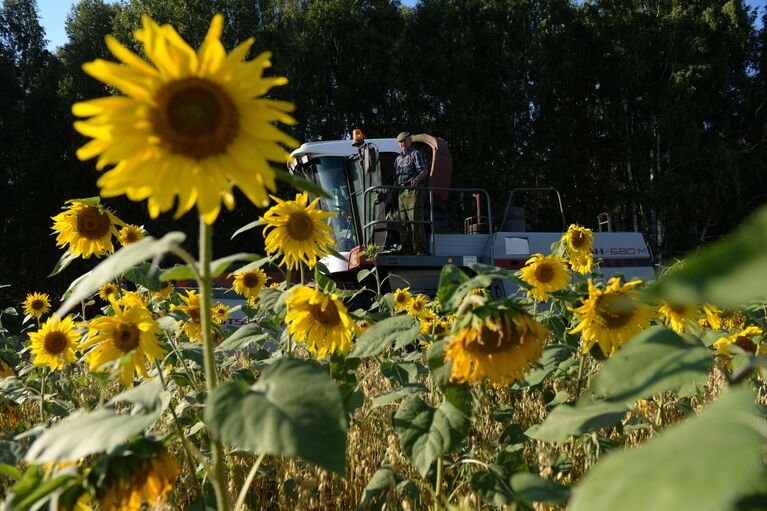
{"points": [[218, 476], [438, 485], [288, 273], [248, 481], [181, 359], [42, 395], [301, 267], [579, 381]]}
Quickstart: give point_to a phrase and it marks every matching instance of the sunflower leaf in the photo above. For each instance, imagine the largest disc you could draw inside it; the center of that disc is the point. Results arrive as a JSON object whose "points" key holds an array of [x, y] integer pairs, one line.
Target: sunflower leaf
{"points": [[63, 262], [565, 420], [301, 184], [534, 488], [246, 335], [247, 227], [278, 416], [427, 433], [117, 263], [730, 272], [178, 272], [401, 330], [449, 281], [719, 452], [251, 266], [654, 361], [219, 266], [145, 274]]}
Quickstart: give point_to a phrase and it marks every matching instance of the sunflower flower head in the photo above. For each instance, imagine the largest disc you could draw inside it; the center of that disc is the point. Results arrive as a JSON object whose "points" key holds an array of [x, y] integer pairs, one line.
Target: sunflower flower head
{"points": [[249, 283], [143, 476], [402, 299], [86, 229], [748, 340], [166, 288], [126, 341], [10, 414], [190, 125], [107, 290], [193, 326], [418, 305], [37, 304], [612, 316], [321, 320], [54, 343], [544, 275], [5, 369], [297, 229], [497, 344], [681, 318], [130, 234], [579, 242], [220, 313]]}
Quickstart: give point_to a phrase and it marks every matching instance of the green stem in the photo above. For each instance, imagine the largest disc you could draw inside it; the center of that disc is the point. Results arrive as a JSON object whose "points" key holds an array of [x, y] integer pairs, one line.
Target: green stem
{"points": [[42, 395], [218, 476], [301, 267], [438, 485], [180, 433], [579, 381], [181, 359], [287, 286], [248, 481]]}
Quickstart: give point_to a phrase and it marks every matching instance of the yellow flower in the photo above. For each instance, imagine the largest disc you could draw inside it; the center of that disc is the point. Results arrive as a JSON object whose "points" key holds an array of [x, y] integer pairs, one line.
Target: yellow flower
{"points": [[744, 340], [5, 369], [37, 304], [417, 305], [362, 326], [320, 320], [86, 229], [427, 321], [166, 288], [220, 313], [579, 241], [682, 318], [402, 299], [193, 327], [126, 340], [130, 234], [53, 345], [190, 125], [250, 283], [10, 414], [545, 275], [139, 481], [132, 299], [612, 316], [298, 231], [711, 317], [499, 347], [107, 290]]}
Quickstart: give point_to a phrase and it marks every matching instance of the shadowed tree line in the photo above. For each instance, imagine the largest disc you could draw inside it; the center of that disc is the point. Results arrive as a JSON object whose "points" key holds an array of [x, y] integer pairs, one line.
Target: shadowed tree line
{"points": [[653, 111]]}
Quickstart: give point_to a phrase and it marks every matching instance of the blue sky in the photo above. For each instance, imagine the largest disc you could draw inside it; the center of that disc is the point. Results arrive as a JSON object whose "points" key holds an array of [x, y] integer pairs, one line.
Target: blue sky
{"points": [[54, 14]]}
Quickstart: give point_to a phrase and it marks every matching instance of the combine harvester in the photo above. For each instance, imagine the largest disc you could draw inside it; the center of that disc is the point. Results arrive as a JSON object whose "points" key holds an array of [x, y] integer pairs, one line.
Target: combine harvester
{"points": [[358, 176]]}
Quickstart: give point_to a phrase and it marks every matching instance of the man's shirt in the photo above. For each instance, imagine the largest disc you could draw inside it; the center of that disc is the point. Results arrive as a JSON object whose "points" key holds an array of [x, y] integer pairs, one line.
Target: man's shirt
{"points": [[408, 165]]}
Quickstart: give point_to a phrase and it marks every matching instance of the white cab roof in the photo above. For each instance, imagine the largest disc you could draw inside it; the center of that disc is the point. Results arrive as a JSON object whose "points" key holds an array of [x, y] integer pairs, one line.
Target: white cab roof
{"points": [[342, 148]]}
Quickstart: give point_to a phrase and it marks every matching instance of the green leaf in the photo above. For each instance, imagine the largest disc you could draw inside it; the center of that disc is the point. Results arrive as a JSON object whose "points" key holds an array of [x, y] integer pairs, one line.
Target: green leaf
{"points": [[65, 260], [426, 433], [728, 273], [219, 266], [408, 390], [300, 183], [459, 394], [117, 263], [492, 486], [382, 482], [449, 280], [654, 361], [11, 452], [293, 410], [10, 471], [146, 274], [401, 330], [178, 272], [455, 299], [553, 355], [247, 227], [565, 420], [718, 454], [534, 488], [258, 263], [243, 337], [101, 430], [400, 373]]}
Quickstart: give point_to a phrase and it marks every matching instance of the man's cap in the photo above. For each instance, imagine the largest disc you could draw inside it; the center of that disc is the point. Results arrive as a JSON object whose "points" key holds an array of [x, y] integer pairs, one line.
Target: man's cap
{"points": [[403, 136]]}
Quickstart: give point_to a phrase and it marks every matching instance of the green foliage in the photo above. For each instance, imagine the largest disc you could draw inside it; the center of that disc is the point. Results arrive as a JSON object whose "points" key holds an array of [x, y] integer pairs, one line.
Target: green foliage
{"points": [[398, 331], [294, 410], [565, 420], [718, 452]]}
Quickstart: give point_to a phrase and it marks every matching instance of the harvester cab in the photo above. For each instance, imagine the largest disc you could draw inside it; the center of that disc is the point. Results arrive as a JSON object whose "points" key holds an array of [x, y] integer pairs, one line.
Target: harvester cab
{"points": [[461, 225]]}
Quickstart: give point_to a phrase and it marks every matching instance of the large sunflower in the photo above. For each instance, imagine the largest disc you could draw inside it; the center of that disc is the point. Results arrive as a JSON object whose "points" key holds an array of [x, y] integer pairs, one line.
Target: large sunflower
{"points": [[298, 231], [37, 304], [125, 339], [545, 274], [612, 316], [190, 125], [321, 320], [86, 229], [746, 340], [249, 283], [53, 344], [579, 241], [681, 318], [138, 480], [497, 346]]}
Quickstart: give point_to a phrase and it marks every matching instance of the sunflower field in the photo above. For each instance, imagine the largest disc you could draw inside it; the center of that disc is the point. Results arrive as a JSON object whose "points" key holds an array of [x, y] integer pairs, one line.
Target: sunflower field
{"points": [[579, 392]]}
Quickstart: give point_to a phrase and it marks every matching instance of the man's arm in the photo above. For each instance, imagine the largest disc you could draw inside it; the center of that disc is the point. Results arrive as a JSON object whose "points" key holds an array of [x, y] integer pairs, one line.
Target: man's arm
{"points": [[420, 165]]}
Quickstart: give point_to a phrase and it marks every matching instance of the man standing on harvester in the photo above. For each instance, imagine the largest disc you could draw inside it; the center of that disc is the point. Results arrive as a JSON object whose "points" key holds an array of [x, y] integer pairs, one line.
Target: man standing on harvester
{"points": [[410, 170]]}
